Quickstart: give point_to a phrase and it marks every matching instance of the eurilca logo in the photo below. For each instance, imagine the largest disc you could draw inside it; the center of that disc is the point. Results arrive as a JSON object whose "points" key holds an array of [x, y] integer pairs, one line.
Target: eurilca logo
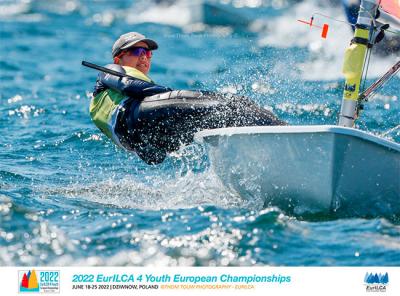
{"points": [[29, 282], [376, 282]]}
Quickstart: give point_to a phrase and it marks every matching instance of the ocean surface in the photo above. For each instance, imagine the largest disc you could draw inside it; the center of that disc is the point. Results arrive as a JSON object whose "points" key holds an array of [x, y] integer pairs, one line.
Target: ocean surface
{"points": [[68, 196]]}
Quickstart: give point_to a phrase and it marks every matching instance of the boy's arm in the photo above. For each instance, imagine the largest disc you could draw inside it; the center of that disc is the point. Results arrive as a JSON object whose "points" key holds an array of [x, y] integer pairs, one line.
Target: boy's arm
{"points": [[134, 88]]}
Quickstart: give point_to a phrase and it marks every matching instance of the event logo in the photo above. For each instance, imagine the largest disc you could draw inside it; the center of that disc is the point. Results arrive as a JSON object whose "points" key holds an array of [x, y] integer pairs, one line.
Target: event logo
{"points": [[39, 281], [376, 282], [29, 282]]}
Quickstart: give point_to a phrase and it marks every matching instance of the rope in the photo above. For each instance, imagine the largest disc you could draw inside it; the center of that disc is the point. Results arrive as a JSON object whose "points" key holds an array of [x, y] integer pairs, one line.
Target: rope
{"points": [[371, 91], [390, 130], [366, 62]]}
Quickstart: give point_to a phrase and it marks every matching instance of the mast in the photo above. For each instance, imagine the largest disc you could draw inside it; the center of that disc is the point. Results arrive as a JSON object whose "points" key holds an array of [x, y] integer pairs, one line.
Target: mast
{"points": [[354, 61]]}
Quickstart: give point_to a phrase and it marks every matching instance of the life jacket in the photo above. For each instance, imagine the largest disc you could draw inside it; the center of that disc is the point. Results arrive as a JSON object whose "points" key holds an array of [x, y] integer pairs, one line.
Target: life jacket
{"points": [[105, 106]]}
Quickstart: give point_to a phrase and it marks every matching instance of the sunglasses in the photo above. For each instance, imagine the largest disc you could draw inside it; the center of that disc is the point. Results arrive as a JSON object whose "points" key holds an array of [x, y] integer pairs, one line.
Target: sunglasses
{"points": [[139, 51]]}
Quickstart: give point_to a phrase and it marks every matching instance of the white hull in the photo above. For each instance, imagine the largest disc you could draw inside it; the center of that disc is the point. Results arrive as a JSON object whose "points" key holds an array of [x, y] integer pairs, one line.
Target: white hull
{"points": [[309, 168]]}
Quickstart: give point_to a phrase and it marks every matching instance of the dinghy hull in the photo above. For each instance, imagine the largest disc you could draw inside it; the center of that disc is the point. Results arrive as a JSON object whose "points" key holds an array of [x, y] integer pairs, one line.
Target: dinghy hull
{"points": [[309, 169]]}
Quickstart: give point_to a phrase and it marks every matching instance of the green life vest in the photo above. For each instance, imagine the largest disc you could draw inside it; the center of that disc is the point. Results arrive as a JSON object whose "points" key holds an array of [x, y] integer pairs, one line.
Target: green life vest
{"points": [[104, 105]]}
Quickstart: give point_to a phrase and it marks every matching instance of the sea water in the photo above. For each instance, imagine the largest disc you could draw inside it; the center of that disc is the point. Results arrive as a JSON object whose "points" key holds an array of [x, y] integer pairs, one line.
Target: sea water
{"points": [[68, 196]]}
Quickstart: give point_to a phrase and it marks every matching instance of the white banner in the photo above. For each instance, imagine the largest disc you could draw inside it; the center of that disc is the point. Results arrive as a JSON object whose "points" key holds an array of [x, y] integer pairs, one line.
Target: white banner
{"points": [[199, 280]]}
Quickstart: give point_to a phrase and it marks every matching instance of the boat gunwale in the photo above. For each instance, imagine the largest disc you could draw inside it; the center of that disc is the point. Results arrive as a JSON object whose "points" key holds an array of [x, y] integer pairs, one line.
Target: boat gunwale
{"points": [[201, 136]]}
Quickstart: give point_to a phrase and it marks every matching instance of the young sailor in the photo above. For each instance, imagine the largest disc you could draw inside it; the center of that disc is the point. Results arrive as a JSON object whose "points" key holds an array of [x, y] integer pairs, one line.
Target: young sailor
{"points": [[152, 120]]}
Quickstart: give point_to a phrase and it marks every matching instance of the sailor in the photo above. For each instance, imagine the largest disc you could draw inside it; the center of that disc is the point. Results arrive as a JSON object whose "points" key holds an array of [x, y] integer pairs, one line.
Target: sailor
{"points": [[152, 120], [112, 96]]}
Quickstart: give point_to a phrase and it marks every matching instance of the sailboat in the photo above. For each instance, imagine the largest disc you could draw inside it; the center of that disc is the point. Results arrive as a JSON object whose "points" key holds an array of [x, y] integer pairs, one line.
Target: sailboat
{"points": [[337, 170]]}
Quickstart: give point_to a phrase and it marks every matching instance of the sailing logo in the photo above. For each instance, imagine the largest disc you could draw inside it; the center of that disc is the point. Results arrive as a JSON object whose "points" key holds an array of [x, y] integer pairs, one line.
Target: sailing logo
{"points": [[376, 282], [39, 281], [29, 282]]}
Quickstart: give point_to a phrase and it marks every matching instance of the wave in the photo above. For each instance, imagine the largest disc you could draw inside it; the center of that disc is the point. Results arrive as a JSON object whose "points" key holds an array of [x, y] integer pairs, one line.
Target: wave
{"points": [[11, 177]]}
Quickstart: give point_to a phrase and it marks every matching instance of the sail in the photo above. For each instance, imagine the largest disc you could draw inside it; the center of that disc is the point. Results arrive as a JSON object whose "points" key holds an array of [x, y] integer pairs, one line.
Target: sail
{"points": [[392, 7]]}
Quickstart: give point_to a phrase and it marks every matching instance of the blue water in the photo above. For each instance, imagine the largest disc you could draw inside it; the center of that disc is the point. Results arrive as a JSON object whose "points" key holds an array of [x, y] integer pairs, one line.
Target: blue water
{"points": [[69, 197]]}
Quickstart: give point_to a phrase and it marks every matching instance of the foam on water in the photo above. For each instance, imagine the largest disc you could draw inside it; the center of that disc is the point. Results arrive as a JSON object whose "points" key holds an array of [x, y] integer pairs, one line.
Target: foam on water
{"points": [[188, 191]]}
